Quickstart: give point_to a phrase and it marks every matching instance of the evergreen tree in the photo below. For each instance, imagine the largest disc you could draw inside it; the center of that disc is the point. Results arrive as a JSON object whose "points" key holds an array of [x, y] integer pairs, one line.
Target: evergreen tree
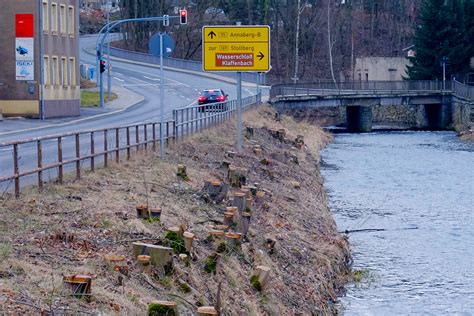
{"points": [[445, 30]]}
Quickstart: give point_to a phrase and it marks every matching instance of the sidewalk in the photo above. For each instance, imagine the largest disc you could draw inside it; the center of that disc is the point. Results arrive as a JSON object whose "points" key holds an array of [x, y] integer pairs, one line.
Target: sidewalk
{"points": [[125, 99]]}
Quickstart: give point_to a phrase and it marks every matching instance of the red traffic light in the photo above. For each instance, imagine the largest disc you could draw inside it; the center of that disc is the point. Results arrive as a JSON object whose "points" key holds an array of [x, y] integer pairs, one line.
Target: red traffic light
{"points": [[183, 16], [102, 66]]}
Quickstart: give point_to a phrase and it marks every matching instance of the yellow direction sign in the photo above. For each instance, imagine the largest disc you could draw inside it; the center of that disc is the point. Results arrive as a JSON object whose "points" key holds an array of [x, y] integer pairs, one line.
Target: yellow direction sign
{"points": [[236, 48]]}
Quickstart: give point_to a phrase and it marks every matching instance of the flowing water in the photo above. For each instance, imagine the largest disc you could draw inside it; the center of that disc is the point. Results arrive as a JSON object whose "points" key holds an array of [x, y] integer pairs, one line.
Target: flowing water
{"points": [[412, 195]]}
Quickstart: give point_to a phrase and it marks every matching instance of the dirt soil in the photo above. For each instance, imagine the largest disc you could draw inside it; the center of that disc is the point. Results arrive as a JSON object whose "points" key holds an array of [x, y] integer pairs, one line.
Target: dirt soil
{"points": [[69, 229]]}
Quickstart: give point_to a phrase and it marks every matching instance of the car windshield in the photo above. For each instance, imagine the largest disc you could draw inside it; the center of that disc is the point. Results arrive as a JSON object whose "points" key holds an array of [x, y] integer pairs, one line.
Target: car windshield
{"points": [[211, 93]]}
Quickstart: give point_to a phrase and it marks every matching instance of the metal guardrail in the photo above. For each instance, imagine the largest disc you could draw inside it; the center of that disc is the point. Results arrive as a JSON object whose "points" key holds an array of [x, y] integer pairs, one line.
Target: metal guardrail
{"points": [[190, 120], [182, 64], [323, 88], [109, 144]]}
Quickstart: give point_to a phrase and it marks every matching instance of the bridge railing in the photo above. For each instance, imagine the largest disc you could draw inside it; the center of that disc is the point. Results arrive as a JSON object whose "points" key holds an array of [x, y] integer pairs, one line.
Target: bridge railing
{"points": [[181, 64], [463, 90], [350, 87]]}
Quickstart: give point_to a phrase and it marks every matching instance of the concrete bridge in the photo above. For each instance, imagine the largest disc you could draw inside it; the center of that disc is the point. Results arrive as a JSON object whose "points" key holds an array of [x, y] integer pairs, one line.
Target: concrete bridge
{"points": [[431, 105]]}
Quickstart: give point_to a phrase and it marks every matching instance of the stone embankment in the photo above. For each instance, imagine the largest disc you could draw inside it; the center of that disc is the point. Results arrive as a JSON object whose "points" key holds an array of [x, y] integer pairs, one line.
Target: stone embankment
{"points": [[209, 230]]}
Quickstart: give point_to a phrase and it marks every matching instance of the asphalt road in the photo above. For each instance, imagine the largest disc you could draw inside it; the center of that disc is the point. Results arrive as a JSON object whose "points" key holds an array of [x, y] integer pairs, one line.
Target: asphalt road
{"points": [[181, 90]]}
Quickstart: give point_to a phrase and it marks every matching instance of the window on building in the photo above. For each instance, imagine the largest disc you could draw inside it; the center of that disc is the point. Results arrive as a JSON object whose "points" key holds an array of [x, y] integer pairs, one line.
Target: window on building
{"points": [[72, 71], [55, 71], [45, 15], [64, 77], [366, 77], [70, 21], [46, 71], [63, 17], [54, 17]]}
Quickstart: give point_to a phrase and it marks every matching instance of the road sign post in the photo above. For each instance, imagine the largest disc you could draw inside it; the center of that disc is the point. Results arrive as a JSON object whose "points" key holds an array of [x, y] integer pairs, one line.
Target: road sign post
{"points": [[236, 48]]}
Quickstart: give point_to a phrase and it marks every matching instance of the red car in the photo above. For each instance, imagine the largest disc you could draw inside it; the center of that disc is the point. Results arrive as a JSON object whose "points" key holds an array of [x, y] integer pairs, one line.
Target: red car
{"points": [[212, 96]]}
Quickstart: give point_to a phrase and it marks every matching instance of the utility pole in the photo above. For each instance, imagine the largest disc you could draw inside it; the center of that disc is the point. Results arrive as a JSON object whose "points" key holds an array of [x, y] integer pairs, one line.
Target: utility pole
{"points": [[297, 41], [444, 63]]}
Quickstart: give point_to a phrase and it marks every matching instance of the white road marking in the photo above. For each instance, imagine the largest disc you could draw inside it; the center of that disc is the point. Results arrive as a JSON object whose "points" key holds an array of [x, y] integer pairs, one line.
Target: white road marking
{"points": [[182, 96], [150, 74], [149, 78], [121, 80]]}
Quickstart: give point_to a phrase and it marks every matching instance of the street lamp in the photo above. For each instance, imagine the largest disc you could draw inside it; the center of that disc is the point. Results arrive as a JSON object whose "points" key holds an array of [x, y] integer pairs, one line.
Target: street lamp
{"points": [[444, 62]]}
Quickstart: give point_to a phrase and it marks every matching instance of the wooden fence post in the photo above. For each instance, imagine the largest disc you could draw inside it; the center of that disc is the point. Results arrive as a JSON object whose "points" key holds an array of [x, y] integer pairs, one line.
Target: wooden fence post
{"points": [[60, 160], [40, 165], [78, 156]]}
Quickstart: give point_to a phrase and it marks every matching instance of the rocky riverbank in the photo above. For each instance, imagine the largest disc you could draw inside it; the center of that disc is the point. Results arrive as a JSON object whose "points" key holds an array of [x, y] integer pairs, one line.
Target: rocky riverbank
{"points": [[289, 260]]}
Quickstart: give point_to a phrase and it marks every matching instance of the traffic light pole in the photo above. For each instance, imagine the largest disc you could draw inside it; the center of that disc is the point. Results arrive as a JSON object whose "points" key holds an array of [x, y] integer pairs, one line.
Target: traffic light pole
{"points": [[103, 34]]}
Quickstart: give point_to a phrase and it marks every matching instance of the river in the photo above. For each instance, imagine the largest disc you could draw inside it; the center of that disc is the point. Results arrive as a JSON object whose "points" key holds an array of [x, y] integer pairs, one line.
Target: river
{"points": [[416, 190]]}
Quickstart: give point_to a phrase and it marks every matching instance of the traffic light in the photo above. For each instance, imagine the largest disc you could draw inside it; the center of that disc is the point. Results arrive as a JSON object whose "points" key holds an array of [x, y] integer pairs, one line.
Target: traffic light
{"points": [[183, 16], [102, 66]]}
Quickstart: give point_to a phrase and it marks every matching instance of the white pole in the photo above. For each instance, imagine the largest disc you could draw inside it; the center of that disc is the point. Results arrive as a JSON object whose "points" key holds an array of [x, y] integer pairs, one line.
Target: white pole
{"points": [[239, 111], [162, 102]]}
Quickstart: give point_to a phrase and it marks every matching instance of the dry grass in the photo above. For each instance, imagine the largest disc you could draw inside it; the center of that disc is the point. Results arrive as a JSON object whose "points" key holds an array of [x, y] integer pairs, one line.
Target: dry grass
{"points": [[308, 265]]}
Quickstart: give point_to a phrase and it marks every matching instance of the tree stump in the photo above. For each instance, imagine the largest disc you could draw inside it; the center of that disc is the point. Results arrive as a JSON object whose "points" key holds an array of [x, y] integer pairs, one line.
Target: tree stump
{"points": [[260, 275], [160, 256], [249, 132], [206, 310], [277, 116], [139, 248], [248, 204], [162, 308], [226, 164], [217, 235], [228, 218], [230, 153], [144, 263], [154, 213], [216, 190], [182, 172], [258, 152], [80, 285], [142, 211], [236, 176], [233, 239], [259, 197], [281, 134], [253, 190], [113, 261], [296, 184], [246, 191], [175, 229], [188, 241], [245, 223], [240, 201], [299, 141]]}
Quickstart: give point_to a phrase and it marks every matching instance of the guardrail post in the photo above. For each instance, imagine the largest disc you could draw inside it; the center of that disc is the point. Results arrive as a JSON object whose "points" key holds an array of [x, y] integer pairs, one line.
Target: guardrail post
{"points": [[78, 157], [16, 170], [92, 152], [187, 121], [128, 143], [117, 145], [137, 137], [145, 132], [40, 164], [167, 133], [60, 160], [106, 148], [154, 136]]}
